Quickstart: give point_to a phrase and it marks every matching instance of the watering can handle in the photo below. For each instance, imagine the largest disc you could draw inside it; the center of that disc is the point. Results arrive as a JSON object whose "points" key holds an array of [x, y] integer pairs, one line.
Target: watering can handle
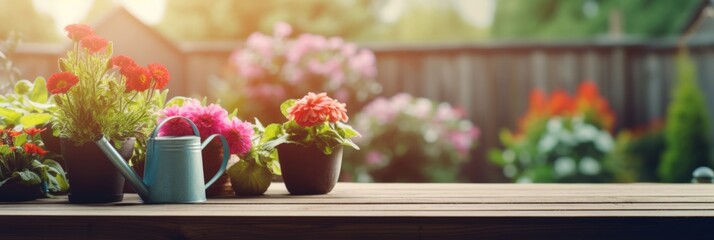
{"points": [[193, 126], [226, 155]]}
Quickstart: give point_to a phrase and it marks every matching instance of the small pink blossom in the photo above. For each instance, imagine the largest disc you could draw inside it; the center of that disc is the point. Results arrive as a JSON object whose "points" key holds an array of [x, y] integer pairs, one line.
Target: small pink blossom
{"points": [[282, 29], [239, 136]]}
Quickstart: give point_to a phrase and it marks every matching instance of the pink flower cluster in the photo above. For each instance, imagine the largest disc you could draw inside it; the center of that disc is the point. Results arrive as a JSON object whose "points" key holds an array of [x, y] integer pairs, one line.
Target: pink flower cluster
{"points": [[210, 119], [419, 116], [327, 62]]}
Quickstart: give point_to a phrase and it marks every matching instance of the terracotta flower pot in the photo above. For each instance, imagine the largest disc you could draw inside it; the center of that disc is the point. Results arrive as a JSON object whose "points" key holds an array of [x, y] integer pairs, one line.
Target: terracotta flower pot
{"points": [[92, 177], [308, 170]]}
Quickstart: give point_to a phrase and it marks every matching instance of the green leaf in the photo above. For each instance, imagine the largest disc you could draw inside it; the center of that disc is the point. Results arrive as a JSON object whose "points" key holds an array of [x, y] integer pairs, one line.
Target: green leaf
{"points": [[271, 132], [249, 178], [23, 87], [176, 101], [39, 91], [285, 105], [9, 115], [5, 149], [27, 177], [20, 140], [34, 119], [347, 131]]}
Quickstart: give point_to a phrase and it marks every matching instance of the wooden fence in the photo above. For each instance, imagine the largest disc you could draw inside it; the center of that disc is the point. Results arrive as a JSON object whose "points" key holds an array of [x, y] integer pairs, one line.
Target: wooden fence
{"points": [[492, 81]]}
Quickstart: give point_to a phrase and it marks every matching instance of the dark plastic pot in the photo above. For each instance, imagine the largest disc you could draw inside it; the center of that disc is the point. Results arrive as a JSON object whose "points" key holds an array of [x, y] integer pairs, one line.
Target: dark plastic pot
{"points": [[92, 177], [307, 170], [16, 192]]}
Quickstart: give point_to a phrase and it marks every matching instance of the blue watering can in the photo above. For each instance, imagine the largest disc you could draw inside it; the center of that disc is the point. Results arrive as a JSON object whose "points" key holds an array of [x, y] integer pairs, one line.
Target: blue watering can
{"points": [[173, 171]]}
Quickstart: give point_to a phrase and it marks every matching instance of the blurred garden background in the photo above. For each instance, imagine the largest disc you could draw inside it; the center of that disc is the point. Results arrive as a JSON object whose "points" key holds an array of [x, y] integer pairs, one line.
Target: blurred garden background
{"points": [[441, 90]]}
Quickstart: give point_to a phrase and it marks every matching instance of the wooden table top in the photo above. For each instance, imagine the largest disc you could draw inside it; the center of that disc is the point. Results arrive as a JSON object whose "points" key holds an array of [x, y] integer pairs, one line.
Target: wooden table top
{"points": [[358, 210]]}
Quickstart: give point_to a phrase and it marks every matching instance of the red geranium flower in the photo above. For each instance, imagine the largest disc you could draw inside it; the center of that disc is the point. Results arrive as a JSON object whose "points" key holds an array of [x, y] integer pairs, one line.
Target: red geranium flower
{"points": [[314, 109], [34, 131], [160, 75], [77, 32], [122, 61], [137, 79], [61, 82], [31, 148], [94, 43], [13, 133]]}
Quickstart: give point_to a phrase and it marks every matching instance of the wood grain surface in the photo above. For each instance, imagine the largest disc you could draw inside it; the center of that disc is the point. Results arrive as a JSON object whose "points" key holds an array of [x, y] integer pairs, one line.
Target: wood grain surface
{"points": [[386, 211]]}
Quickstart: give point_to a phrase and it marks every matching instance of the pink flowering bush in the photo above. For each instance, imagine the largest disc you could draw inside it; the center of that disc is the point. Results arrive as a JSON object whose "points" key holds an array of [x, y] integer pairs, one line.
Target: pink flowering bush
{"points": [[209, 119], [408, 139], [270, 68]]}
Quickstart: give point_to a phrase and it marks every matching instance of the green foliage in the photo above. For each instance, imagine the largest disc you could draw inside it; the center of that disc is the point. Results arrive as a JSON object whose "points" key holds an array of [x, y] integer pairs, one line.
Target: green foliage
{"points": [[559, 149], [28, 106], [28, 168], [253, 173], [589, 18], [229, 19], [686, 134], [636, 156]]}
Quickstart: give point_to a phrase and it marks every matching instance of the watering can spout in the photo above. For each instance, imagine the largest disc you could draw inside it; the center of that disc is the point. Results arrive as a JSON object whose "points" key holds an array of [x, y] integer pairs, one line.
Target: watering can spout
{"points": [[123, 167]]}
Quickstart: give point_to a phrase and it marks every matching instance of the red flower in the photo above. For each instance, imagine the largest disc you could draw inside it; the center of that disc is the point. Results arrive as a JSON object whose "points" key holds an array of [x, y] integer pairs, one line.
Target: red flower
{"points": [[160, 75], [122, 61], [34, 131], [589, 101], [77, 32], [314, 109], [12, 133], [137, 79], [31, 148], [61, 82], [560, 103], [94, 43]]}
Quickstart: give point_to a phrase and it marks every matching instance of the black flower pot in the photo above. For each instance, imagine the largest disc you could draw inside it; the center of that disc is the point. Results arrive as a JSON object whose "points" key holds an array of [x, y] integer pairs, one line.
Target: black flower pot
{"points": [[17, 192], [307, 170], [92, 177]]}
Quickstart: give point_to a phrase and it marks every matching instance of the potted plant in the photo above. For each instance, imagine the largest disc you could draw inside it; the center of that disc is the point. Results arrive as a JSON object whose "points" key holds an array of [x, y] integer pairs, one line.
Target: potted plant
{"points": [[209, 119], [310, 143], [23, 173], [97, 94], [252, 175]]}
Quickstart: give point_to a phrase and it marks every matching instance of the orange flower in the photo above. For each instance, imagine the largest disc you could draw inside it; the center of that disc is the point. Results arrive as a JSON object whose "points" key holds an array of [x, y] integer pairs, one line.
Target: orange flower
{"points": [[160, 75], [122, 61], [61, 82], [34, 131], [94, 43], [314, 109], [12, 133], [137, 79], [588, 100], [31, 148], [560, 103], [77, 32]]}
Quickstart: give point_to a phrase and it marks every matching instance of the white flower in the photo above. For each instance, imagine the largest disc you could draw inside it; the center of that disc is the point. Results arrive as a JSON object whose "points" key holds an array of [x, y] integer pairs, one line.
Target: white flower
{"points": [[509, 156], [555, 124], [547, 143], [510, 170], [564, 166], [589, 166], [586, 133], [604, 142]]}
